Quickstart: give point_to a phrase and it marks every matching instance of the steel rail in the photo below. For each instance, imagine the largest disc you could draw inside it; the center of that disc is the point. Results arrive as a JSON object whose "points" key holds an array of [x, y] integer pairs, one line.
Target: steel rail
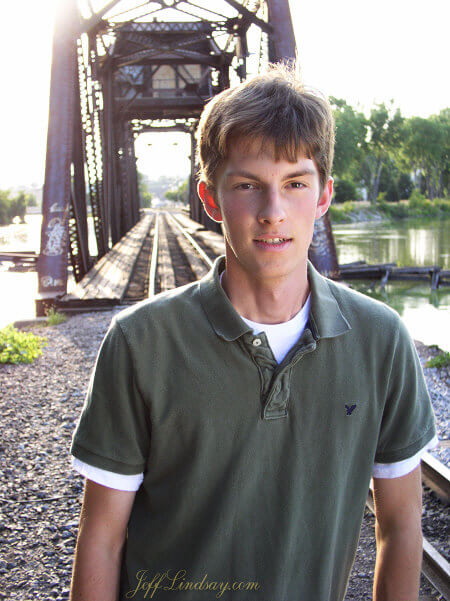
{"points": [[200, 251], [154, 261], [436, 475]]}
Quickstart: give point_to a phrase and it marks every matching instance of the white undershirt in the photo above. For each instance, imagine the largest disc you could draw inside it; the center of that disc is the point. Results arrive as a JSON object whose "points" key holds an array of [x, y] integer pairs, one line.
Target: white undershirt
{"points": [[281, 338]]}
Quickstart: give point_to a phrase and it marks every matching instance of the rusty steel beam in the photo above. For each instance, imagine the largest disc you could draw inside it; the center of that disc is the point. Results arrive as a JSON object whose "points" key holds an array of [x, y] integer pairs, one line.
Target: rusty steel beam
{"points": [[132, 170], [194, 200], [322, 251], [109, 170], [282, 46], [78, 224], [112, 98], [52, 263], [93, 22], [249, 16], [282, 39]]}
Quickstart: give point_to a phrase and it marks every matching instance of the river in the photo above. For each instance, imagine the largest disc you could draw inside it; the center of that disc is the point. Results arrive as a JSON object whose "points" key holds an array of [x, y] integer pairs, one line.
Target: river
{"points": [[413, 242]]}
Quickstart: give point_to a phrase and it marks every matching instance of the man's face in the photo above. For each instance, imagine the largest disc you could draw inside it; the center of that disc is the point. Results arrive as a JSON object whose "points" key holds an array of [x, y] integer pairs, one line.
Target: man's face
{"points": [[260, 200]]}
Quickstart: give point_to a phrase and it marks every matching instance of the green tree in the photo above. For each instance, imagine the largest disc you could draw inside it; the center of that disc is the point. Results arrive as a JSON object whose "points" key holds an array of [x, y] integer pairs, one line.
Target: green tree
{"points": [[32, 202], [385, 135], [144, 193], [14, 207], [344, 190], [426, 150], [179, 194], [351, 132], [19, 205], [389, 181], [5, 203], [405, 185]]}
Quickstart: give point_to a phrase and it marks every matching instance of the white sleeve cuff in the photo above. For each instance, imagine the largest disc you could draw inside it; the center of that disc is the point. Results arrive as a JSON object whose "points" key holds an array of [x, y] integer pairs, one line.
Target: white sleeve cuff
{"points": [[401, 468], [107, 478]]}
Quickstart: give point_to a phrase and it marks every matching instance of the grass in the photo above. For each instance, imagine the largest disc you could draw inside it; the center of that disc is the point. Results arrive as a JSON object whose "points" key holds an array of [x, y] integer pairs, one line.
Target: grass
{"points": [[441, 360], [54, 317], [417, 207]]}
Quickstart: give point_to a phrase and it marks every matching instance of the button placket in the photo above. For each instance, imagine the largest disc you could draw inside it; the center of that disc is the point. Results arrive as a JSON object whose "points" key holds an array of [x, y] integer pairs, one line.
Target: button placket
{"points": [[276, 407], [263, 358], [276, 401]]}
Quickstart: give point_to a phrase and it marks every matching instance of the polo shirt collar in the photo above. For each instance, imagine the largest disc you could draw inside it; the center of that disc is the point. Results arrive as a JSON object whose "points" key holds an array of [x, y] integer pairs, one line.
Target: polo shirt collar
{"points": [[325, 315], [326, 319]]}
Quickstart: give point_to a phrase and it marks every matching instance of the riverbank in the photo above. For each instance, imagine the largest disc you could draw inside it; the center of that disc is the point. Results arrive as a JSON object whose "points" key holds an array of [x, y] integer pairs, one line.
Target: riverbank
{"points": [[42, 494], [363, 211]]}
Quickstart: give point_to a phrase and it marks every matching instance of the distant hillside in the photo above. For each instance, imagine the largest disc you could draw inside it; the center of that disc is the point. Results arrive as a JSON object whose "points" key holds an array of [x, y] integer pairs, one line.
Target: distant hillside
{"points": [[158, 187]]}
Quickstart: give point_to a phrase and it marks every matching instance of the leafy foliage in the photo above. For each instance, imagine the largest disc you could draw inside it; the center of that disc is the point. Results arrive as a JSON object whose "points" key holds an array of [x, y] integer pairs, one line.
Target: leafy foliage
{"points": [[405, 186], [387, 153], [394, 210], [144, 192], [351, 133], [179, 194], [344, 189], [441, 360], [341, 213], [14, 207], [19, 347]]}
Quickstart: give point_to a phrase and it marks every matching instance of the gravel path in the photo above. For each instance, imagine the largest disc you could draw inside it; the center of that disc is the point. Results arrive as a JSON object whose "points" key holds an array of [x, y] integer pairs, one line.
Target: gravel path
{"points": [[41, 494]]}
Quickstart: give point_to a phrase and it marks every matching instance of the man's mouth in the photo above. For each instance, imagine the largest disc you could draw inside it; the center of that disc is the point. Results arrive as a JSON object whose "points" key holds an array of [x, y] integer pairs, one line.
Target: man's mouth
{"points": [[272, 240]]}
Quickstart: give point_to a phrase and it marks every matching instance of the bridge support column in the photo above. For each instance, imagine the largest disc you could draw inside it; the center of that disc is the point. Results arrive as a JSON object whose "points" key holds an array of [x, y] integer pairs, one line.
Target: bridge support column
{"points": [[52, 262], [194, 201], [322, 252]]}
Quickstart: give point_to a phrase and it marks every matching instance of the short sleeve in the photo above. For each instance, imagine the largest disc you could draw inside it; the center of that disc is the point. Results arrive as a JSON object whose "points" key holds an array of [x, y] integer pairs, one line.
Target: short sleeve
{"points": [[113, 431], [107, 478], [407, 423], [401, 468]]}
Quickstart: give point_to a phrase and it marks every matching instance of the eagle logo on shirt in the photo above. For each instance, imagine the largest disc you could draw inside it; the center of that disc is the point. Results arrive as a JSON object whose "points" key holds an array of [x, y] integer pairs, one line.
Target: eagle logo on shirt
{"points": [[350, 409]]}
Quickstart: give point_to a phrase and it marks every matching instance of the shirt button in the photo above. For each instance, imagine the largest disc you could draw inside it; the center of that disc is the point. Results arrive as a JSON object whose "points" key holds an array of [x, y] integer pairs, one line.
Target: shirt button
{"points": [[256, 342]]}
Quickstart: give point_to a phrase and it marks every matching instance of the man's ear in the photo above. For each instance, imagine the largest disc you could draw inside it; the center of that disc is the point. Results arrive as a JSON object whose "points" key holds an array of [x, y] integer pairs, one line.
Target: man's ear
{"points": [[209, 203], [325, 199]]}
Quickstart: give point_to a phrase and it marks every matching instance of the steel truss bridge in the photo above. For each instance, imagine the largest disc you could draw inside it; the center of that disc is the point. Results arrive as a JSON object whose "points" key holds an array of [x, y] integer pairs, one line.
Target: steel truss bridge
{"points": [[125, 67]]}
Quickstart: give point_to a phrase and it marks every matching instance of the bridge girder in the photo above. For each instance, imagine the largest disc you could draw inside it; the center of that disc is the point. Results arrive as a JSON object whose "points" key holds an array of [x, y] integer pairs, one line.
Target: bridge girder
{"points": [[113, 70]]}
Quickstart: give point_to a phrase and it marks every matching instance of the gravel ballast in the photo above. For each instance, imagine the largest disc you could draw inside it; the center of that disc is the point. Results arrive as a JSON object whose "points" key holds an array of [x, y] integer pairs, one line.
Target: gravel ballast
{"points": [[42, 494]]}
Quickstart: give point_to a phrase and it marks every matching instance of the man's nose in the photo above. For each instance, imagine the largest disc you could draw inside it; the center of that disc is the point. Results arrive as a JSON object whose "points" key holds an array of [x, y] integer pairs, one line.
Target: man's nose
{"points": [[272, 207]]}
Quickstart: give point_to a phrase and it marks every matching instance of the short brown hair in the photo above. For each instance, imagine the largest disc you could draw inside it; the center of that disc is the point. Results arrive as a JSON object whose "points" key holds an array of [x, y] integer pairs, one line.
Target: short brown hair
{"points": [[273, 106]]}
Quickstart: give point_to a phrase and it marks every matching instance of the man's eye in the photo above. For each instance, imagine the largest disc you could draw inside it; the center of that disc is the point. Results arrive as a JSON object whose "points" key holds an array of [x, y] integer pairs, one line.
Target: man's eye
{"points": [[297, 185], [245, 186]]}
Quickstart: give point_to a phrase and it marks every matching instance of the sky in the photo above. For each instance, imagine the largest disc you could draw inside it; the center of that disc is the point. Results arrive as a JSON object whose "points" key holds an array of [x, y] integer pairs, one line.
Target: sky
{"points": [[362, 51]]}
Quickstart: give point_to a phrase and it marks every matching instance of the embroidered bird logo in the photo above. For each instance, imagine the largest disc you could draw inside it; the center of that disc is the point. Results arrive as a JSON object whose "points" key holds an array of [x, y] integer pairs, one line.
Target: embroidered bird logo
{"points": [[350, 409]]}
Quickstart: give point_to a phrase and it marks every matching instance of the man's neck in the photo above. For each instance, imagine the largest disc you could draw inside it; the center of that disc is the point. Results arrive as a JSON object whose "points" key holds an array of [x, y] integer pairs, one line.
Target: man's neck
{"points": [[266, 302]]}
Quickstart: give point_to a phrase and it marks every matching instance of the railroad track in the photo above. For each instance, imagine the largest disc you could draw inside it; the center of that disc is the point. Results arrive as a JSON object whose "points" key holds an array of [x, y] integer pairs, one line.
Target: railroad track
{"points": [[180, 252], [435, 567]]}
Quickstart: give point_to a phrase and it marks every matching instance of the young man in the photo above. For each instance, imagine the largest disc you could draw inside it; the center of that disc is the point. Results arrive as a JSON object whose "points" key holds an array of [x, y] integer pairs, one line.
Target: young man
{"points": [[232, 426]]}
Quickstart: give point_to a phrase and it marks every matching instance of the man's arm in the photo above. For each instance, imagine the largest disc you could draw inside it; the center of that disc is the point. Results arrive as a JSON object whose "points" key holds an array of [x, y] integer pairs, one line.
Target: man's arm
{"points": [[398, 530], [102, 532]]}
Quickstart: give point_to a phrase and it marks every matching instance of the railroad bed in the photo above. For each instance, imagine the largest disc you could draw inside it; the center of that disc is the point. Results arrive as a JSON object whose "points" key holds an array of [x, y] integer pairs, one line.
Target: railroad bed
{"points": [[42, 494]]}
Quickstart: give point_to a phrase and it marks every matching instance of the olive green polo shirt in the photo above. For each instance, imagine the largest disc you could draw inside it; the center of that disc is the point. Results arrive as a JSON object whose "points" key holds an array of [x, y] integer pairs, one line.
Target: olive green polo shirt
{"points": [[255, 473]]}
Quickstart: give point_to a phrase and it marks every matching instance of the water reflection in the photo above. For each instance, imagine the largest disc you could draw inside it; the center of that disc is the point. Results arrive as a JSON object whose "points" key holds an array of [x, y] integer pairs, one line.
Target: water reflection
{"points": [[410, 242], [425, 312]]}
